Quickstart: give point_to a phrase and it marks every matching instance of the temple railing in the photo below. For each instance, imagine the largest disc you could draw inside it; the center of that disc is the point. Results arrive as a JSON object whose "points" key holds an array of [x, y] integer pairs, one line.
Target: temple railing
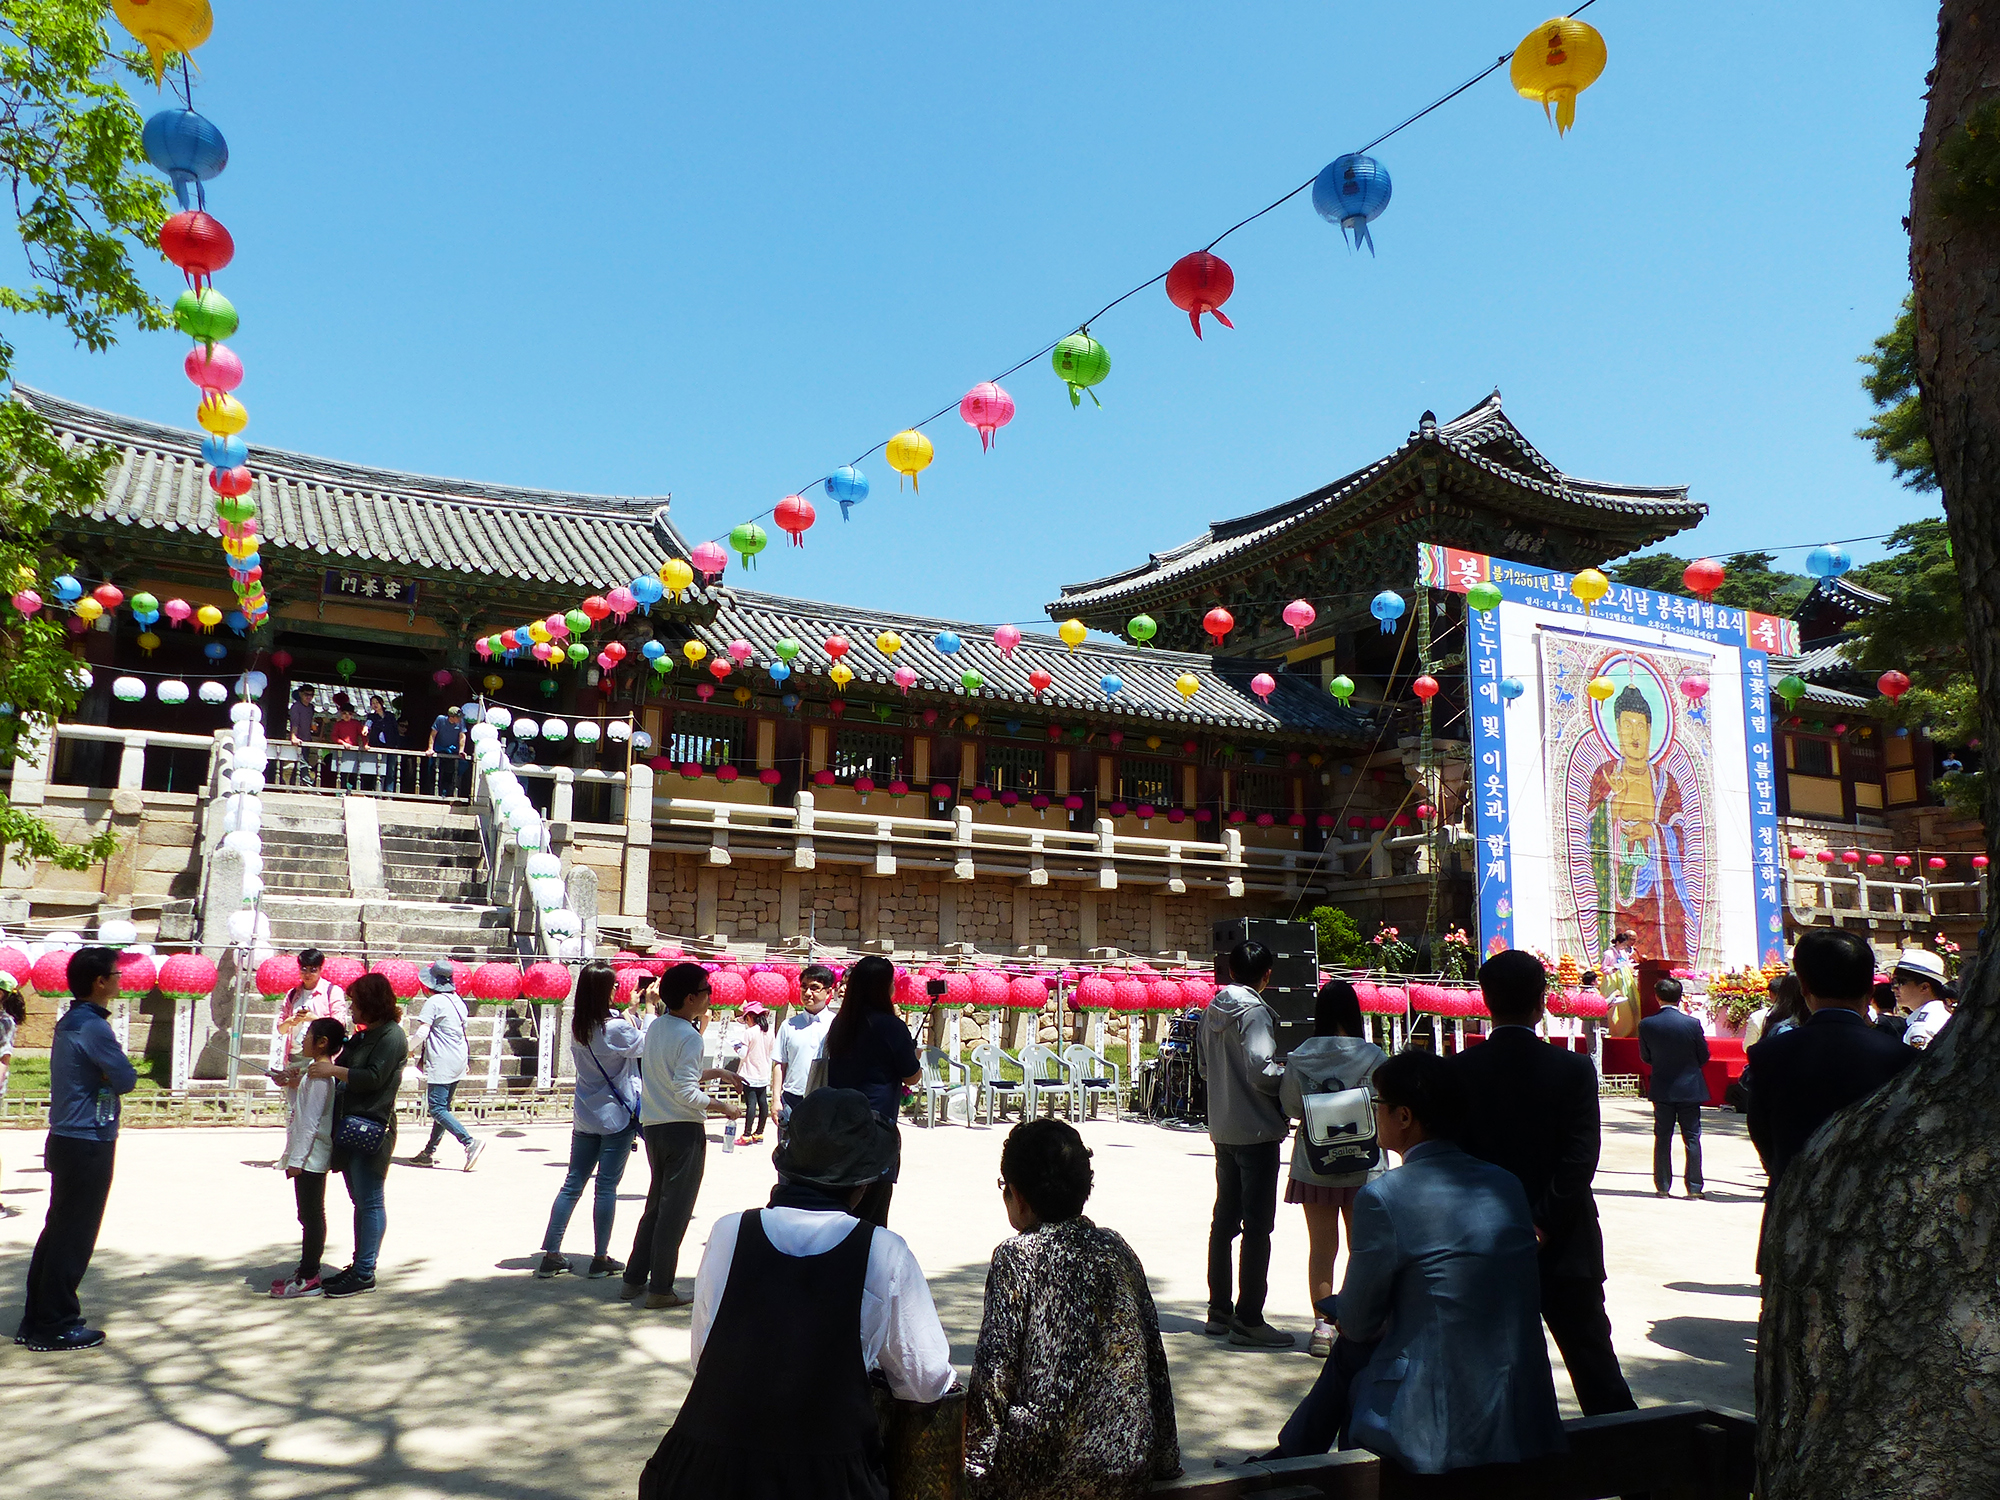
{"points": [[1819, 896]]}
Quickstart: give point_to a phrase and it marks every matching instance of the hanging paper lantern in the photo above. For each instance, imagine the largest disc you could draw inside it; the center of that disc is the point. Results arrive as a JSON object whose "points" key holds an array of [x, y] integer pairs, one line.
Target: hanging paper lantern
{"points": [[197, 243], [1040, 681], [149, 643], [1934, 863], [1112, 684], [676, 576], [27, 601], [1589, 586], [212, 692], [109, 595], [647, 590], [165, 28], [1187, 685], [840, 674], [1006, 637], [1979, 861], [174, 693], [1483, 597], [1218, 622], [187, 975], [277, 976], [345, 667], [1072, 633], [1554, 63], [1142, 628], [909, 453], [128, 689], [209, 316], [1703, 577], [1791, 688], [709, 560], [1387, 607], [905, 679], [1350, 191], [224, 452], [1893, 684], [747, 539], [947, 643], [836, 647], [1081, 362], [986, 408], [221, 412], [1828, 562], [1694, 686], [848, 487], [186, 147], [1299, 614], [67, 589], [1342, 687], [1200, 283], [87, 609], [1425, 687], [1263, 685], [1601, 689], [972, 682], [795, 515]]}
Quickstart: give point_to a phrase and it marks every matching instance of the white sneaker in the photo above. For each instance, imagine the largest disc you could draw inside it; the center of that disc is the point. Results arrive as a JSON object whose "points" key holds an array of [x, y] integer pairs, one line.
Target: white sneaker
{"points": [[473, 1152]]}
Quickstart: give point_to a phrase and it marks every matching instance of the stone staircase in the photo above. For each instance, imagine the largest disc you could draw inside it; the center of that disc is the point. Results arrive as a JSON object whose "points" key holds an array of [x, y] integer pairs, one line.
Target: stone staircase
{"points": [[305, 847]]}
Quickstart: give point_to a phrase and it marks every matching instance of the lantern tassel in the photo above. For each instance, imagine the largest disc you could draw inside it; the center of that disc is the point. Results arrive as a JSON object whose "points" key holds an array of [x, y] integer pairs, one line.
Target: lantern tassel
{"points": [[1565, 110], [1222, 317], [847, 510], [1359, 226]]}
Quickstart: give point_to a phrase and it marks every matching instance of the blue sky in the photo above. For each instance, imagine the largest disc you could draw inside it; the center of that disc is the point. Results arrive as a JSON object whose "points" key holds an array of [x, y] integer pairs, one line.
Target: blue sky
{"points": [[715, 251]]}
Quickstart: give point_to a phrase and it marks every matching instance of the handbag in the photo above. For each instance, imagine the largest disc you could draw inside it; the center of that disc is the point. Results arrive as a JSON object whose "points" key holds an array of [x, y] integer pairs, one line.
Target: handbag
{"points": [[1338, 1133], [359, 1134]]}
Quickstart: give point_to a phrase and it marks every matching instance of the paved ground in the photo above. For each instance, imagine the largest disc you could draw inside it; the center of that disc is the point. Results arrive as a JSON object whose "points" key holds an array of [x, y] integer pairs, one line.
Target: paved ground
{"points": [[464, 1376]]}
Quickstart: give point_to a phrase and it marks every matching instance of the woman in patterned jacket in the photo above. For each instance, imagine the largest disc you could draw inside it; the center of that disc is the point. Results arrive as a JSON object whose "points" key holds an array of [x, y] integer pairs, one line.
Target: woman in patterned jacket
{"points": [[1069, 1397]]}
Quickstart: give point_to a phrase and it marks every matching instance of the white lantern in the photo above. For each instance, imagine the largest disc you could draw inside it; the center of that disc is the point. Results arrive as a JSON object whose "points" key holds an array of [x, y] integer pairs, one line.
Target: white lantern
{"points": [[641, 740], [554, 729], [472, 713], [242, 927], [253, 887], [499, 717], [561, 923], [172, 693], [253, 813], [619, 730], [586, 732], [545, 867], [484, 734], [252, 684], [240, 839], [213, 692], [128, 689], [503, 783], [242, 714], [82, 678], [117, 934], [526, 729], [529, 836]]}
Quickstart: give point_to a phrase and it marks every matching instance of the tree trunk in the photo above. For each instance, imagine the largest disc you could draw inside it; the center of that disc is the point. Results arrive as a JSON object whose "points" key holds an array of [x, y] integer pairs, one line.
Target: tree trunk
{"points": [[1879, 1347]]}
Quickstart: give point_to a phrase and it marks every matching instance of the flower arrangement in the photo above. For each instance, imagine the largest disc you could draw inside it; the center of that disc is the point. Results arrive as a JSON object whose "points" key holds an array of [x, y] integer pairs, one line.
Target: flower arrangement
{"points": [[1948, 951], [1736, 996], [1456, 958], [1392, 954]]}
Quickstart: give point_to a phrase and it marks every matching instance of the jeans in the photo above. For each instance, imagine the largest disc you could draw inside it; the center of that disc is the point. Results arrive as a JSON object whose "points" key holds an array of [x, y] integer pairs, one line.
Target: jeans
{"points": [[677, 1152], [1665, 1118], [606, 1155], [756, 1108], [1317, 1423], [371, 1216], [450, 768], [309, 1189], [1246, 1203], [79, 1182], [438, 1096]]}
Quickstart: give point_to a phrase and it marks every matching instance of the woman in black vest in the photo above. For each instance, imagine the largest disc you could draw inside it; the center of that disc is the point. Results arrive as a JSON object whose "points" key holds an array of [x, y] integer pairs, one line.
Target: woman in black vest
{"points": [[780, 1325]]}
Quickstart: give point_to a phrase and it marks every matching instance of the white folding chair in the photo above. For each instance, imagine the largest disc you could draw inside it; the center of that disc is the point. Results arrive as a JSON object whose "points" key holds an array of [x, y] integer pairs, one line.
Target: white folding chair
{"points": [[1047, 1077], [1095, 1075], [988, 1059], [944, 1076]]}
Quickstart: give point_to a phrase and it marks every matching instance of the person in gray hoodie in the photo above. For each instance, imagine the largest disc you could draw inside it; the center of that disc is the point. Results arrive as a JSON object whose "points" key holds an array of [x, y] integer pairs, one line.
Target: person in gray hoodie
{"points": [[1334, 1060], [1246, 1127]]}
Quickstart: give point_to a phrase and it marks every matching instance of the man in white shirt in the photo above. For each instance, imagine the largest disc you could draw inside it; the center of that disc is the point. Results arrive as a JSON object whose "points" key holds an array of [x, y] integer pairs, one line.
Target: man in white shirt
{"points": [[787, 1296], [1920, 984], [673, 1119], [443, 1055], [799, 1043]]}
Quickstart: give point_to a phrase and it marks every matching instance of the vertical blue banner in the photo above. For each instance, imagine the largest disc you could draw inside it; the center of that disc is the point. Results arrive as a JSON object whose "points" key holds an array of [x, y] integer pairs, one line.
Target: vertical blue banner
{"points": [[1494, 861], [1765, 854]]}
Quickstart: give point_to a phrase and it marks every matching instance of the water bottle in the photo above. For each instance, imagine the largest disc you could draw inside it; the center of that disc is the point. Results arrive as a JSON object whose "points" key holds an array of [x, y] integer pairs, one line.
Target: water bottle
{"points": [[729, 1136]]}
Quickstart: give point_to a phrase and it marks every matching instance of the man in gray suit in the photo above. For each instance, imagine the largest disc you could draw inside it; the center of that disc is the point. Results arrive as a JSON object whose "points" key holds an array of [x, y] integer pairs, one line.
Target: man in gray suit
{"points": [[1672, 1043], [1440, 1362]]}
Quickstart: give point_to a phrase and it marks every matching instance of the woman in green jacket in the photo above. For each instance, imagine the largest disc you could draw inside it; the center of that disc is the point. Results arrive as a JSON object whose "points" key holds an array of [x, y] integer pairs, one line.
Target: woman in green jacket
{"points": [[370, 1070]]}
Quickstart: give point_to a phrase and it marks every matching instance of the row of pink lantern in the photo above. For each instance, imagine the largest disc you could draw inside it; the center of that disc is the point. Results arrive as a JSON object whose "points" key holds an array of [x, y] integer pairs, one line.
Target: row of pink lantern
{"points": [[181, 975], [493, 982], [1874, 860]]}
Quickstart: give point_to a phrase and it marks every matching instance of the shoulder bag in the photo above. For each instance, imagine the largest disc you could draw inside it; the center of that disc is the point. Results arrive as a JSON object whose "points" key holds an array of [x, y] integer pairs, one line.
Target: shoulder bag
{"points": [[360, 1134], [1338, 1132]]}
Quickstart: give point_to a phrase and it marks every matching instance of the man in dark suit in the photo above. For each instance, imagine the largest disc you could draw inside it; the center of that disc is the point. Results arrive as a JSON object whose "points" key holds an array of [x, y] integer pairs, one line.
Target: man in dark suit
{"points": [[1811, 1073], [1672, 1043], [1532, 1108]]}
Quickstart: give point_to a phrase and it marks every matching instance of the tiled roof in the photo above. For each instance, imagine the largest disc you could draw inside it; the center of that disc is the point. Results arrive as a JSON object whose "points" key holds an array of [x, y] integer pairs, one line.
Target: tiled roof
{"points": [[1850, 595], [357, 514], [1482, 437], [1822, 661], [1223, 701]]}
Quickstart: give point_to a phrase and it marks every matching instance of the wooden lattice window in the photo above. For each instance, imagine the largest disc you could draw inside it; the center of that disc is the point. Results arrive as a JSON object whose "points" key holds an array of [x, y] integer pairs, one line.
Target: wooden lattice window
{"points": [[709, 740], [1017, 768], [861, 752], [1145, 781], [1263, 792]]}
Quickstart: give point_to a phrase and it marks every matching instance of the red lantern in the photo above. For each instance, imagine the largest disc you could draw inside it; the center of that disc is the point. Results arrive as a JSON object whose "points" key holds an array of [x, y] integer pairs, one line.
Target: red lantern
{"points": [[823, 778], [1893, 684], [1093, 992], [187, 975], [545, 981], [615, 650], [595, 609], [1425, 687], [1201, 283], [230, 482], [137, 974], [795, 516], [198, 244], [402, 976], [1979, 861], [726, 774], [770, 776], [1874, 859], [1850, 857], [1902, 861], [1935, 863], [1825, 856], [342, 969], [836, 646], [1027, 993], [109, 595], [1425, 810], [19, 966], [727, 989], [940, 791], [1040, 681], [1703, 577], [281, 661], [276, 976], [767, 988]]}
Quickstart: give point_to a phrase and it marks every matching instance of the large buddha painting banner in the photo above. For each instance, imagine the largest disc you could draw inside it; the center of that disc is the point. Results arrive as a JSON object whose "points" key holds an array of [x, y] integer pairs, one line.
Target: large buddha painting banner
{"points": [[1623, 777]]}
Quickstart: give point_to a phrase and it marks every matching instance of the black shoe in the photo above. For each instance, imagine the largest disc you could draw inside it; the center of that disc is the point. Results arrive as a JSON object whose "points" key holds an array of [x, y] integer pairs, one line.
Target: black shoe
{"points": [[552, 1265], [424, 1159], [347, 1284], [57, 1343], [603, 1265]]}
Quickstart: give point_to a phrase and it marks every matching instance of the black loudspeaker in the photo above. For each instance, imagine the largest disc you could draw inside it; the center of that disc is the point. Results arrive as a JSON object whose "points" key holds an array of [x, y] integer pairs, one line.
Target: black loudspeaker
{"points": [[1293, 991]]}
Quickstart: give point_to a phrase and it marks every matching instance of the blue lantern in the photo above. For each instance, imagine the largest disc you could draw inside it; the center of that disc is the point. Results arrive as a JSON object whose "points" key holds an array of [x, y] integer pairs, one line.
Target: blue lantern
{"points": [[1349, 191], [237, 621], [1111, 684], [145, 616], [849, 486], [187, 148], [653, 650], [779, 671], [790, 702], [1387, 607], [1828, 562], [1511, 688], [68, 590], [224, 452], [215, 651], [648, 590], [1013, 726], [947, 643]]}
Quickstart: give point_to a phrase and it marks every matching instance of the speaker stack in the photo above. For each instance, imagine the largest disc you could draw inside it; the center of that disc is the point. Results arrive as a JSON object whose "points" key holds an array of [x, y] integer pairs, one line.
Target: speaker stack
{"points": [[1294, 988]]}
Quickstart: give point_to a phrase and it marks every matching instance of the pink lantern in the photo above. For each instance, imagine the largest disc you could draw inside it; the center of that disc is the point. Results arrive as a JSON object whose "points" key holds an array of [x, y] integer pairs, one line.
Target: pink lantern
{"points": [[343, 969], [1198, 991], [1874, 859], [739, 651], [989, 986], [1902, 861], [1695, 686], [728, 988], [184, 975], [483, 647], [704, 691], [1027, 993], [1824, 856], [709, 560], [277, 975], [1850, 857], [1934, 863], [1797, 852], [541, 651], [27, 601], [1424, 810], [1163, 994], [1979, 861], [767, 989], [213, 367], [557, 626], [50, 974], [137, 974], [626, 985], [1128, 995], [987, 408], [604, 662], [21, 968], [402, 976], [1263, 685], [441, 677], [905, 679], [545, 981], [1298, 615], [177, 611], [1006, 637], [622, 603], [1093, 992]]}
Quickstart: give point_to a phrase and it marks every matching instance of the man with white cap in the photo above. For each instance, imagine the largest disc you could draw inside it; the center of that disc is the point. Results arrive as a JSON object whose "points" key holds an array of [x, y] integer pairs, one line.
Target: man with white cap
{"points": [[443, 1055], [1921, 988]]}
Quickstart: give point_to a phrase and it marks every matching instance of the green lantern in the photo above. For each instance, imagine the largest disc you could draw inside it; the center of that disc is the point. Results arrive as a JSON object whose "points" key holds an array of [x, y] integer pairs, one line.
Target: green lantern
{"points": [[345, 667], [577, 651], [578, 622], [748, 539], [1342, 687], [236, 509], [1081, 362], [548, 687], [663, 664], [206, 315], [1790, 688], [883, 713], [971, 681], [145, 604], [1141, 628], [788, 648], [1483, 597]]}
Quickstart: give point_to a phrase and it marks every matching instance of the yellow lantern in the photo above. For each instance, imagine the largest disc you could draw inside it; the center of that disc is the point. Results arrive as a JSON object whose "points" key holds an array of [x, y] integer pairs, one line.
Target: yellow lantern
{"points": [[1072, 633], [149, 643], [888, 643], [972, 721], [208, 617], [909, 453], [221, 413], [694, 651], [741, 695], [24, 578], [1152, 742], [1601, 688], [1187, 685], [165, 26], [677, 576], [1590, 586], [1555, 62], [538, 633], [841, 674], [494, 682], [87, 608]]}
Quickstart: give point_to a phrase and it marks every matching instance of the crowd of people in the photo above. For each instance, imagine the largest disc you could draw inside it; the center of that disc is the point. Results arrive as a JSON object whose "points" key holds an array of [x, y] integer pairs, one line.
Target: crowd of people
{"points": [[1483, 1230]]}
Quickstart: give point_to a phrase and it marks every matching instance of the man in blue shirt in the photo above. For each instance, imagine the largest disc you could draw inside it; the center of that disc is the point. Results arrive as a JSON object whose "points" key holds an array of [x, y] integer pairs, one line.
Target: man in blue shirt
{"points": [[88, 1071], [447, 748]]}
